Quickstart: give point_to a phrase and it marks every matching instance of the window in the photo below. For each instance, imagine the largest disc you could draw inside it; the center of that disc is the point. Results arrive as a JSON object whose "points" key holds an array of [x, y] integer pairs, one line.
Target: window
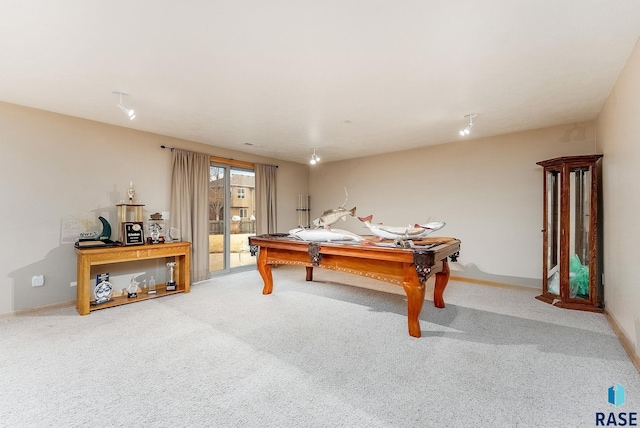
{"points": [[231, 205]]}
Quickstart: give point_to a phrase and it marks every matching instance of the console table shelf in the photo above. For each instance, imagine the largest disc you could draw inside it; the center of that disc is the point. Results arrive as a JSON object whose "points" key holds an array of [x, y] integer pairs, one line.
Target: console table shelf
{"points": [[88, 257], [123, 300]]}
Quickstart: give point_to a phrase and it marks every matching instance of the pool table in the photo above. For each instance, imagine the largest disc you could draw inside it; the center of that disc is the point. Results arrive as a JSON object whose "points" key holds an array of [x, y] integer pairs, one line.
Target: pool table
{"points": [[406, 267]]}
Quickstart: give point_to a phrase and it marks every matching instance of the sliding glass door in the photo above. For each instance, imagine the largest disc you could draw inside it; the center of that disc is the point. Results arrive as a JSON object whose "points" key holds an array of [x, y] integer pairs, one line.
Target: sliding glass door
{"points": [[231, 218]]}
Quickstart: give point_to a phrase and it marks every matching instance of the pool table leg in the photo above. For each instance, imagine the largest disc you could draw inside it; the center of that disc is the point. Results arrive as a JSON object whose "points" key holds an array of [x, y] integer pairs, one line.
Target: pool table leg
{"points": [[265, 271], [442, 278], [415, 298]]}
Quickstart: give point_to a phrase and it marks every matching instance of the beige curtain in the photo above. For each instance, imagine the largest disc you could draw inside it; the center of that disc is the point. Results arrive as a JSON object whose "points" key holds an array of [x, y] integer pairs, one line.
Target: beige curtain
{"points": [[190, 207], [266, 199]]}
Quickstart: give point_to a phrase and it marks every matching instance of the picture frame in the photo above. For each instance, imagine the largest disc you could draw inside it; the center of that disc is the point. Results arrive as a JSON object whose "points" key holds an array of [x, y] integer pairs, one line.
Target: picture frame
{"points": [[133, 233]]}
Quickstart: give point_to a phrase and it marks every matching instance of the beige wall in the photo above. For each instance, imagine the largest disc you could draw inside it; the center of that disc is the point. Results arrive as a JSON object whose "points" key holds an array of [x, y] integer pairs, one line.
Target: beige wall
{"points": [[488, 191], [618, 140], [55, 167]]}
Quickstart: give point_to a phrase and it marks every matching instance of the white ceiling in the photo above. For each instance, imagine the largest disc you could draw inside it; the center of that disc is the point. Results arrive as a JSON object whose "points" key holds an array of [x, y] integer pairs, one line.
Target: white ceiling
{"points": [[348, 77]]}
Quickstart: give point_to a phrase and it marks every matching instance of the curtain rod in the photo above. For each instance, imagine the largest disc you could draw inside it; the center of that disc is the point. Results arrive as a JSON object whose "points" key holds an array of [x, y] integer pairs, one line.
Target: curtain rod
{"points": [[232, 162]]}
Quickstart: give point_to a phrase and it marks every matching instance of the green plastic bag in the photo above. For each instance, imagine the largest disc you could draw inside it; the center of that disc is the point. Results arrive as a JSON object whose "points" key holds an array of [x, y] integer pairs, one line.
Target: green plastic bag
{"points": [[578, 277]]}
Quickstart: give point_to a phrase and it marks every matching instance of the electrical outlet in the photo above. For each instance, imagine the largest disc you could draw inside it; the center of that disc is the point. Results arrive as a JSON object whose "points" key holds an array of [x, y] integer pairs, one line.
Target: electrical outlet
{"points": [[37, 281], [73, 284]]}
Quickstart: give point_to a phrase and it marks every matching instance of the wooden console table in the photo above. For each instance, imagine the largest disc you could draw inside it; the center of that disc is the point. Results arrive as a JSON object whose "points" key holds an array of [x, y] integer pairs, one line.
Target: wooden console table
{"points": [[87, 257]]}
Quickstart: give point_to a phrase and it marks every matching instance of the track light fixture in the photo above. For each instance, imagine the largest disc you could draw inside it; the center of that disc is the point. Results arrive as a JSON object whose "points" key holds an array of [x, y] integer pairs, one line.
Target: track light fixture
{"points": [[467, 130], [131, 114], [314, 158]]}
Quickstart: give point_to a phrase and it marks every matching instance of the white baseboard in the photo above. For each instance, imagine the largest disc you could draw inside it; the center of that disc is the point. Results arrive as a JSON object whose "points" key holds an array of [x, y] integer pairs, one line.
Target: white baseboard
{"points": [[37, 309]]}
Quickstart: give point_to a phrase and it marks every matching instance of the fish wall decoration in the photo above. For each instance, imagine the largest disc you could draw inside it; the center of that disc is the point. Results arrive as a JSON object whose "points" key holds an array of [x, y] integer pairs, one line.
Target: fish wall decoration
{"points": [[324, 235], [401, 232], [331, 216]]}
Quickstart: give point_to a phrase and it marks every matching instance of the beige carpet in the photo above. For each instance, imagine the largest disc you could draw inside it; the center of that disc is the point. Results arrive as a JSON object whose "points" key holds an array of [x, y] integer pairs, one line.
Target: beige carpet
{"points": [[322, 354]]}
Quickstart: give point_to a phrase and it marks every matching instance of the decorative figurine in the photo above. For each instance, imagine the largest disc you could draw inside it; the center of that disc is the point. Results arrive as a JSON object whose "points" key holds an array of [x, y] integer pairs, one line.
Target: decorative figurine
{"points": [[132, 289], [331, 216], [402, 235], [106, 230], [152, 286], [154, 231], [171, 284], [174, 234], [131, 192], [103, 289]]}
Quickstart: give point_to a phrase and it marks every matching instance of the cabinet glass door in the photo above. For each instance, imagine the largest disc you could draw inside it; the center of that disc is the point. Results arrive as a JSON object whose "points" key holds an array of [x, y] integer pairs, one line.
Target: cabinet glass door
{"points": [[579, 231], [553, 231]]}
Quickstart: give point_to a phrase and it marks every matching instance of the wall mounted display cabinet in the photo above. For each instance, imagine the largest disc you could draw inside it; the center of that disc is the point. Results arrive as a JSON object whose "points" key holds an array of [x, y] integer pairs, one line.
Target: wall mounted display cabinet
{"points": [[572, 241]]}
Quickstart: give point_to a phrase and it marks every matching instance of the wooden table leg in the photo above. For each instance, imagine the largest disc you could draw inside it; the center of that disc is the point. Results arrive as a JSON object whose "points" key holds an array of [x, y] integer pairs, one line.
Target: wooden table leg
{"points": [[186, 264], [177, 272], [442, 278], [415, 299], [265, 271], [309, 273], [83, 294]]}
